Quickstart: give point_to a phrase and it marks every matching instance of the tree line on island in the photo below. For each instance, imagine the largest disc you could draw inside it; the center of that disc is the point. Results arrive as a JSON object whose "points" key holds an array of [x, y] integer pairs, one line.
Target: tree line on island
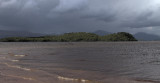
{"points": [[73, 37]]}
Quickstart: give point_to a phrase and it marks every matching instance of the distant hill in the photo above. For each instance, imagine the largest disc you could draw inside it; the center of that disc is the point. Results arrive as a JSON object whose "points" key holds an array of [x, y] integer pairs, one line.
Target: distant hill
{"points": [[102, 33], [7, 33], [146, 37]]}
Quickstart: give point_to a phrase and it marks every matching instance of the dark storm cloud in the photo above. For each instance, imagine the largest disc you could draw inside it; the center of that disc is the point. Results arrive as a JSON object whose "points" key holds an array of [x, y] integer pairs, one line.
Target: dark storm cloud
{"points": [[23, 14], [78, 15], [144, 19]]}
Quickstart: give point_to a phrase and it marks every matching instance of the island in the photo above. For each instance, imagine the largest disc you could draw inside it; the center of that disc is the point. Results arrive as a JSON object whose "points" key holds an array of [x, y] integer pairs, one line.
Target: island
{"points": [[74, 37]]}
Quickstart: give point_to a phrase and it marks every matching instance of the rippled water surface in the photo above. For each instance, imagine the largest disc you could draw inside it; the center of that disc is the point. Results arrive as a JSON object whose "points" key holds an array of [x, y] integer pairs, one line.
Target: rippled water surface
{"points": [[91, 62]]}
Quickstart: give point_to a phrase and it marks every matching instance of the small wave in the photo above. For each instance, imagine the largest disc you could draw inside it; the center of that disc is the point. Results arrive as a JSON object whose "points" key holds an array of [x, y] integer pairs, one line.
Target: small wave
{"points": [[75, 80], [21, 77], [20, 55], [25, 78], [15, 60], [26, 69]]}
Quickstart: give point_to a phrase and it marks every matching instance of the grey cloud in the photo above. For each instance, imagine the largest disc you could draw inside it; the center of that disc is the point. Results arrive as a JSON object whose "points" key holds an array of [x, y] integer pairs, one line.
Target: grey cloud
{"points": [[144, 19], [23, 13], [70, 5], [78, 15]]}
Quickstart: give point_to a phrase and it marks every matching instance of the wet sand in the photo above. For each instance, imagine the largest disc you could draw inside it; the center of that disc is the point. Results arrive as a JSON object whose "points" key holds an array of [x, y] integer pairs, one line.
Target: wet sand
{"points": [[11, 71]]}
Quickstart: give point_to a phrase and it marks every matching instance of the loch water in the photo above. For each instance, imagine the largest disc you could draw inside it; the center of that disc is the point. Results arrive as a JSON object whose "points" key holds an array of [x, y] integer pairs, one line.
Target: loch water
{"points": [[76, 62]]}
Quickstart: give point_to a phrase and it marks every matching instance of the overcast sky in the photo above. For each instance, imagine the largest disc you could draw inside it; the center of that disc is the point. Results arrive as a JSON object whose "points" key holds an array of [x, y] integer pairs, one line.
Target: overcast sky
{"points": [[56, 16]]}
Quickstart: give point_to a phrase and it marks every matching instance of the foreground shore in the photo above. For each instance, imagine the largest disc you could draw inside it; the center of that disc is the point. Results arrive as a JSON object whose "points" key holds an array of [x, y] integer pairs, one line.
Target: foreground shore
{"points": [[14, 70]]}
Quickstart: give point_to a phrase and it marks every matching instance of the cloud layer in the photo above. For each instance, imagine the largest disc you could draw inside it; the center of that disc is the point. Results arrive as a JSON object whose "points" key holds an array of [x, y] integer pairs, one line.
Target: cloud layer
{"points": [[52, 16]]}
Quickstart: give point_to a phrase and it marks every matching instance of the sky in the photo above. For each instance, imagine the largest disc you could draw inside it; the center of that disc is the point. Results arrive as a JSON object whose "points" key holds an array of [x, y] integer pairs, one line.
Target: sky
{"points": [[61, 16]]}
